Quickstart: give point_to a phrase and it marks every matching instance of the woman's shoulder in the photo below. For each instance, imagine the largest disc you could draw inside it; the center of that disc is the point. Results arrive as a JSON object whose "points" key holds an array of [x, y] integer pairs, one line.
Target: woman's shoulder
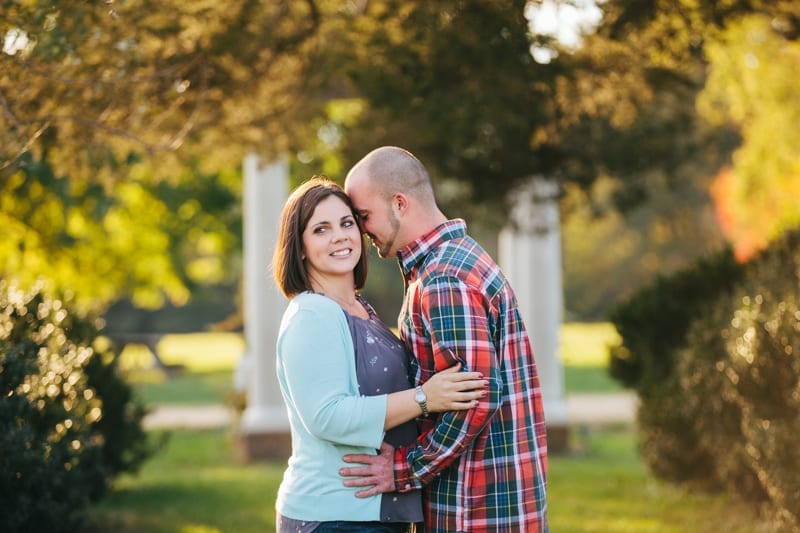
{"points": [[315, 303], [313, 299], [313, 314]]}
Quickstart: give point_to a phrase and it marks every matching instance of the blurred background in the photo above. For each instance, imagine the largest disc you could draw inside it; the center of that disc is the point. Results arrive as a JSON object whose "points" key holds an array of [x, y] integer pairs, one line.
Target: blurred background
{"points": [[670, 129]]}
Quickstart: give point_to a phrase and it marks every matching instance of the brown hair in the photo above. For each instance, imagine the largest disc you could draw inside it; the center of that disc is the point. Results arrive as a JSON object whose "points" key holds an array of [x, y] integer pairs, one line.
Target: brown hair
{"points": [[287, 261]]}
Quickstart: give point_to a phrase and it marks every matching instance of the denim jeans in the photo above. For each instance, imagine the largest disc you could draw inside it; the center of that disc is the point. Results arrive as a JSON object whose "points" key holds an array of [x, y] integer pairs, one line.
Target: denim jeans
{"points": [[361, 527]]}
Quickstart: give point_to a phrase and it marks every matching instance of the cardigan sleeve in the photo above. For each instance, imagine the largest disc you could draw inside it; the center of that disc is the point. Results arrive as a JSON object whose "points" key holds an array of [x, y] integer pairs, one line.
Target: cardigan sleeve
{"points": [[316, 358]]}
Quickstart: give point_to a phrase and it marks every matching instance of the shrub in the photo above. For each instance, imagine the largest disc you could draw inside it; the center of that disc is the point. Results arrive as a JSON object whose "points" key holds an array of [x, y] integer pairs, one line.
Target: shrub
{"points": [[68, 424], [725, 411], [653, 323], [754, 426]]}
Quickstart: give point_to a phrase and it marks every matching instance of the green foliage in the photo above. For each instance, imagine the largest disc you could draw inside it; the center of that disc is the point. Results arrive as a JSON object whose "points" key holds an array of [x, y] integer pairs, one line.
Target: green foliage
{"points": [[68, 422], [454, 82], [144, 240], [627, 251], [741, 372], [752, 86], [725, 412], [653, 323], [86, 80]]}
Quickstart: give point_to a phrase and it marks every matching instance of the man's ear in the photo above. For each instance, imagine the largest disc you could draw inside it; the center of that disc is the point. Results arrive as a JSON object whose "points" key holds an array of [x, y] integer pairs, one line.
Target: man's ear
{"points": [[400, 203]]}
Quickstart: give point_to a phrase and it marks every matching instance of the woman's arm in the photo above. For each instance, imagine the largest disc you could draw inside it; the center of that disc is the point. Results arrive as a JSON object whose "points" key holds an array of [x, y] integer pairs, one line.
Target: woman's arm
{"points": [[316, 370], [448, 390]]}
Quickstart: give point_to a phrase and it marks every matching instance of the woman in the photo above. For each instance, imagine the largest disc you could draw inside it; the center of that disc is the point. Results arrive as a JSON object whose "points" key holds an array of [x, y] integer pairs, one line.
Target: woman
{"points": [[343, 375]]}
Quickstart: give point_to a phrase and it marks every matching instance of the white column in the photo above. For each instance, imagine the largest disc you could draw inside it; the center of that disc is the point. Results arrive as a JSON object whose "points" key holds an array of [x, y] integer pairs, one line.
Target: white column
{"points": [[530, 255], [265, 191]]}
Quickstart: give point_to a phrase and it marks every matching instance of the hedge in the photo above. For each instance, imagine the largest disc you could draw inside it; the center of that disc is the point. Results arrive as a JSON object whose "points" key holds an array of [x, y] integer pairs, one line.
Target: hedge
{"points": [[714, 355], [68, 421]]}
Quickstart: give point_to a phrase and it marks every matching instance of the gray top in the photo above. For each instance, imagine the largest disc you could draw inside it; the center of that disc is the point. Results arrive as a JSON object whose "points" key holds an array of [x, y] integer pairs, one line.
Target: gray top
{"points": [[382, 368]]}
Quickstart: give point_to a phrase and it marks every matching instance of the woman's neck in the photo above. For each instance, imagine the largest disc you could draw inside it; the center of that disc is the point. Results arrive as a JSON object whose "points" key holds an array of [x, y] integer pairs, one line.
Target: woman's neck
{"points": [[343, 294]]}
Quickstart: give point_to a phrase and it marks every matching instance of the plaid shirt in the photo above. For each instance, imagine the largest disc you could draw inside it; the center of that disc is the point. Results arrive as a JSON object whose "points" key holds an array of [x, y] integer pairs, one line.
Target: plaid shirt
{"points": [[484, 469]]}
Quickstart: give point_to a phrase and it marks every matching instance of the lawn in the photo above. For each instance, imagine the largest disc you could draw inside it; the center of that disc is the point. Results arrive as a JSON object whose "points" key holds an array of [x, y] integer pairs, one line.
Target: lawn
{"points": [[209, 360], [584, 354], [196, 485]]}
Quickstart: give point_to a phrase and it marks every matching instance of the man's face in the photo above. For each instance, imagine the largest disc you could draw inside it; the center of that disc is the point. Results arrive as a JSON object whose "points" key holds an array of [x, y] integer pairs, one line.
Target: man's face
{"points": [[378, 220]]}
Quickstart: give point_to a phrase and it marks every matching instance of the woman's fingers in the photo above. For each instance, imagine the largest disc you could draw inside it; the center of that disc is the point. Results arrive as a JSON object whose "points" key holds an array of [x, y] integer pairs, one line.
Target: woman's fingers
{"points": [[461, 406], [471, 384]]}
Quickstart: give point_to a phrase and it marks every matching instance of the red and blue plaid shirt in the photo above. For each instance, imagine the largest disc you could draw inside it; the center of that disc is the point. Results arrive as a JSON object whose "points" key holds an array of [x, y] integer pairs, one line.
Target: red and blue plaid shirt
{"points": [[483, 469]]}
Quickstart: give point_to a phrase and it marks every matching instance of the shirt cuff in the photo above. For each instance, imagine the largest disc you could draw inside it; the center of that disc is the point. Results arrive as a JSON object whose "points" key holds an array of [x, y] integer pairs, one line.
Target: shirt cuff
{"points": [[404, 478]]}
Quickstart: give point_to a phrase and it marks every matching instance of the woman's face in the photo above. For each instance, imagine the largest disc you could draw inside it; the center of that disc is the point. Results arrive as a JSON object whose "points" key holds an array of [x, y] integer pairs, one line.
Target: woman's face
{"points": [[331, 241]]}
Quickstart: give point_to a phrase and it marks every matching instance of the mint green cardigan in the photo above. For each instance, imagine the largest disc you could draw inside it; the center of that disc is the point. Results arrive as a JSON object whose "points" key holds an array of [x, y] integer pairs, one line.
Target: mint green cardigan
{"points": [[328, 416]]}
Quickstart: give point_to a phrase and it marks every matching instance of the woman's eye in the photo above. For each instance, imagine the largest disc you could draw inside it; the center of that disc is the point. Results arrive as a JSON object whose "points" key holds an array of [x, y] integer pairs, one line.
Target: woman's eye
{"points": [[319, 230], [348, 223]]}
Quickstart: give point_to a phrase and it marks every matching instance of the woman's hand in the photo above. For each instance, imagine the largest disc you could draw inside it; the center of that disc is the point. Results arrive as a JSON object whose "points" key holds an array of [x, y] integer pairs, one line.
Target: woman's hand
{"points": [[453, 390]]}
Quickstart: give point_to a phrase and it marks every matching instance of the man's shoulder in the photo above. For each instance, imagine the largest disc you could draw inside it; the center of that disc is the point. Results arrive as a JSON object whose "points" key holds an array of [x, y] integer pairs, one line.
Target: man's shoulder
{"points": [[460, 256]]}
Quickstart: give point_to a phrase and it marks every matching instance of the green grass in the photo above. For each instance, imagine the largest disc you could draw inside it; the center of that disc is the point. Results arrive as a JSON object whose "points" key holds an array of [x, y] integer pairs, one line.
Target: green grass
{"points": [[585, 344], [584, 355], [605, 487], [208, 360], [195, 485], [188, 388]]}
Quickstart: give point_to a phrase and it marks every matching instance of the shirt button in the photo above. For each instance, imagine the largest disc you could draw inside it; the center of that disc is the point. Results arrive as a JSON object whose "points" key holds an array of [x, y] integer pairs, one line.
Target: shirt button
{"points": [[394, 499], [408, 486]]}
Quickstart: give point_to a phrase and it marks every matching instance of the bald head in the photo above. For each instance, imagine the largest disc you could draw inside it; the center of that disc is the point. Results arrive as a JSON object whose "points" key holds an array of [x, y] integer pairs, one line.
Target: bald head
{"points": [[392, 193], [389, 170]]}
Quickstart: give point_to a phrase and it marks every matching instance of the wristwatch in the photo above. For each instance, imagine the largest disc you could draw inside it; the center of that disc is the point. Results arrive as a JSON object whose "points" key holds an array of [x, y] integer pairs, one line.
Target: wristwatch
{"points": [[422, 400]]}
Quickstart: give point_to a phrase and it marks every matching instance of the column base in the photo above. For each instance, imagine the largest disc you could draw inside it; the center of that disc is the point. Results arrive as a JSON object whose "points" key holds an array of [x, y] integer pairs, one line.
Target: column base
{"points": [[557, 439], [256, 446]]}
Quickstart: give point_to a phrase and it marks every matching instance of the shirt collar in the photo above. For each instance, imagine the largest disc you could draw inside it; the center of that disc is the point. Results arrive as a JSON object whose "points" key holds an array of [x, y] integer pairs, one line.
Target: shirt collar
{"points": [[412, 255]]}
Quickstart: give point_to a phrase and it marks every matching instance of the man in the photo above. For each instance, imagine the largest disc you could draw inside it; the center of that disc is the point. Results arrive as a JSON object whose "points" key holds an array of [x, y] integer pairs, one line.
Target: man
{"points": [[483, 469]]}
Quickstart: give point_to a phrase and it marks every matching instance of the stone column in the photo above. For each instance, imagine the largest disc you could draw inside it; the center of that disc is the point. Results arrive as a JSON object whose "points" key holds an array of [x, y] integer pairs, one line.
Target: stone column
{"points": [[264, 428], [530, 255]]}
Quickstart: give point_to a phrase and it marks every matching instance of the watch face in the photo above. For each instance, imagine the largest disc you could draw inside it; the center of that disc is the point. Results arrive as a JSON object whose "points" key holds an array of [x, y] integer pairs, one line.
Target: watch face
{"points": [[420, 395]]}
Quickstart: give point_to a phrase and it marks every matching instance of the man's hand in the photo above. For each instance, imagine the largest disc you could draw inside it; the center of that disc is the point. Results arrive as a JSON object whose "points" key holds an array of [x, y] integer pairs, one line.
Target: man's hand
{"points": [[378, 474]]}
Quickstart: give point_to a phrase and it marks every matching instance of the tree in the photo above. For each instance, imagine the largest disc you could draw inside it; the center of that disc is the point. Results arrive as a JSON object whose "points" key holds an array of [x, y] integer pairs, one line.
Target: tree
{"points": [[149, 241], [453, 81], [752, 87], [81, 79], [112, 115]]}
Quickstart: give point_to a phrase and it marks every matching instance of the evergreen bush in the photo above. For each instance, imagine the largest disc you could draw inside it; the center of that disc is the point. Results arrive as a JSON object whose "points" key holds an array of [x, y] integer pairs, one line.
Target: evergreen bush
{"points": [[750, 417], [68, 422], [720, 408], [652, 324]]}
